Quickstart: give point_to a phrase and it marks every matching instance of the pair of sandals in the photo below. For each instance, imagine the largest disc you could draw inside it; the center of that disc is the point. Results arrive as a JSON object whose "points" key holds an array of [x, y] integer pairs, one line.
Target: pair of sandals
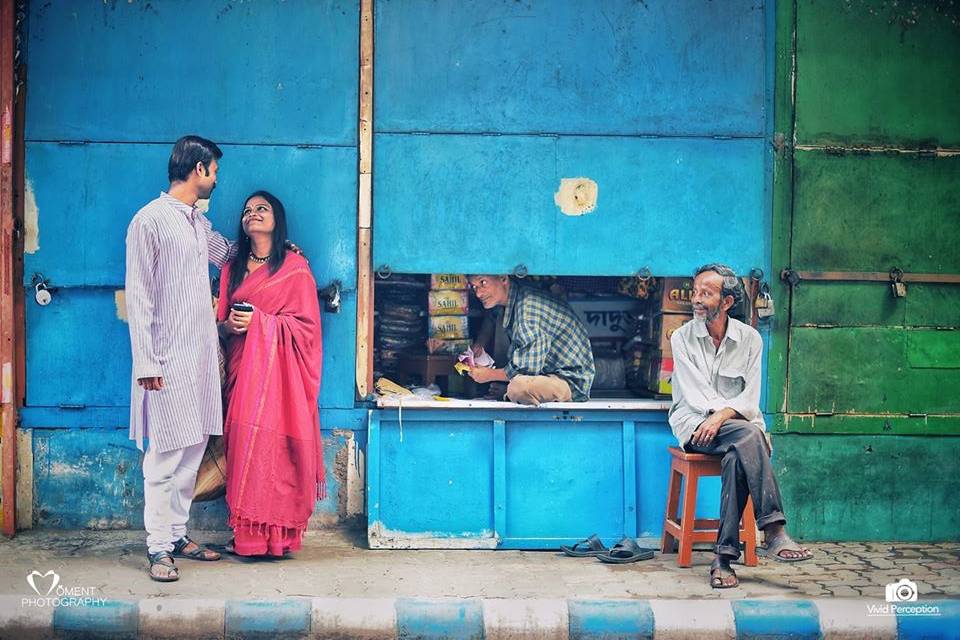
{"points": [[162, 566], [722, 575], [624, 552]]}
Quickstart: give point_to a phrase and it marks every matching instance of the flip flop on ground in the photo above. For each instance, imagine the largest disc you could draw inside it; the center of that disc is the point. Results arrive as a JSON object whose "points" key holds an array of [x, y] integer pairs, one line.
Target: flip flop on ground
{"points": [[625, 551], [586, 548]]}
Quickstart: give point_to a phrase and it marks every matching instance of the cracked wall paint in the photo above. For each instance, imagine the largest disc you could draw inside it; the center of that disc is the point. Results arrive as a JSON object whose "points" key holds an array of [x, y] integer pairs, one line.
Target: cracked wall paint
{"points": [[31, 219], [576, 196]]}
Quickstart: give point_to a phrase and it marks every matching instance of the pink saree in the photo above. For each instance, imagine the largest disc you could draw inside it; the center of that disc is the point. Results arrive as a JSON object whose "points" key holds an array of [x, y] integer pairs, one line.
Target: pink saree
{"points": [[271, 431]]}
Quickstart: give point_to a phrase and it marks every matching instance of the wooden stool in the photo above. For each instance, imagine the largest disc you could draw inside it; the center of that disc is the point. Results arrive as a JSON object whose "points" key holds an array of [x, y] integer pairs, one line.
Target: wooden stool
{"points": [[684, 527]]}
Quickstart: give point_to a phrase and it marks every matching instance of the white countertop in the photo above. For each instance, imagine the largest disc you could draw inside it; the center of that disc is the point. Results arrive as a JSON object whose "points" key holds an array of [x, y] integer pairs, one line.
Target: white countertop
{"points": [[607, 404]]}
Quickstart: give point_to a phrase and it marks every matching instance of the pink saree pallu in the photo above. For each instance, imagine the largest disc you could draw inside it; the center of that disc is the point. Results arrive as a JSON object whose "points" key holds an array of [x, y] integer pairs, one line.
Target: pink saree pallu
{"points": [[271, 431]]}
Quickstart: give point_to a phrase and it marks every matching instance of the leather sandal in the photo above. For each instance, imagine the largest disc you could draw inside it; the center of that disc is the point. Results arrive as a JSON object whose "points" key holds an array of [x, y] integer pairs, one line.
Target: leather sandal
{"points": [[198, 553], [163, 559], [719, 574]]}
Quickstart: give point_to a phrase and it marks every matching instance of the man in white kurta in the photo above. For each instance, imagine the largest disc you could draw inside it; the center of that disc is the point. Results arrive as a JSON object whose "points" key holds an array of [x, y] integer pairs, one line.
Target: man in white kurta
{"points": [[175, 400]]}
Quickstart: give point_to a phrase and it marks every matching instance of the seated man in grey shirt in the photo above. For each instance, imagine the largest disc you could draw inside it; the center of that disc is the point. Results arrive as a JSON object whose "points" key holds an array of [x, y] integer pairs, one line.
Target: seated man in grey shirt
{"points": [[716, 410]]}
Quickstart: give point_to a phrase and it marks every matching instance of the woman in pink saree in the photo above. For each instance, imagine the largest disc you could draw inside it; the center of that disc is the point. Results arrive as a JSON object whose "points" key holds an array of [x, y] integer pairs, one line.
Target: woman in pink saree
{"points": [[271, 431]]}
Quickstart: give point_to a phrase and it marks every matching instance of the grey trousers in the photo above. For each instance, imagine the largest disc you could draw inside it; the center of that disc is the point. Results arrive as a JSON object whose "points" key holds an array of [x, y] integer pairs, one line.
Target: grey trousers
{"points": [[745, 471]]}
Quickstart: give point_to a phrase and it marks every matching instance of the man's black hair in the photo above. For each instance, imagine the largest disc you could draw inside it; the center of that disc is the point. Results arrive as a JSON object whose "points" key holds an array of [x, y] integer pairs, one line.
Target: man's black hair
{"points": [[187, 152]]}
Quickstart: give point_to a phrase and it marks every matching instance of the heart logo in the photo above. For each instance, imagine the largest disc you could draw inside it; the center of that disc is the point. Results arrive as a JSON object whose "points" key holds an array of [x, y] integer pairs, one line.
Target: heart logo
{"points": [[54, 581]]}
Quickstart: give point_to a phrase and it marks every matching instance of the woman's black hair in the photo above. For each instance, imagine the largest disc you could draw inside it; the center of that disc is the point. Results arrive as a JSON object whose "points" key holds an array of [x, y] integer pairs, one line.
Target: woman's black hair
{"points": [[238, 266]]}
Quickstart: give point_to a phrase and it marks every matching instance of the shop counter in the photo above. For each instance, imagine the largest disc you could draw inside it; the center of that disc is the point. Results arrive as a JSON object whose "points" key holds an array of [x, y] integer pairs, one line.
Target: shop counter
{"points": [[481, 474]]}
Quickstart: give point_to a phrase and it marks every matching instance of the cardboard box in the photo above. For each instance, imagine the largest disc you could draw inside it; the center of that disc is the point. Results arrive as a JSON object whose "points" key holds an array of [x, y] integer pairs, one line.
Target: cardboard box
{"points": [[447, 347], [675, 295], [448, 281], [449, 328], [447, 302], [668, 323], [659, 374]]}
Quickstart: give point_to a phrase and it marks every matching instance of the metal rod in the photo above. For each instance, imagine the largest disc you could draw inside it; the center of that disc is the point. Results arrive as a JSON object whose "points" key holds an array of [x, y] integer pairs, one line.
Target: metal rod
{"points": [[793, 276]]}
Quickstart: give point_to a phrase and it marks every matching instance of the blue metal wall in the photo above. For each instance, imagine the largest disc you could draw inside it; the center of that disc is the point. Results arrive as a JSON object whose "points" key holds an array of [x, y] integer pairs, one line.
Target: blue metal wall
{"points": [[111, 85], [483, 106]]}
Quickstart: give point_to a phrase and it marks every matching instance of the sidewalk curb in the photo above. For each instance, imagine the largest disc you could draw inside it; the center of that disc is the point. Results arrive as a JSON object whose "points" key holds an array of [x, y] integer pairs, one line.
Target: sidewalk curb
{"points": [[456, 619]]}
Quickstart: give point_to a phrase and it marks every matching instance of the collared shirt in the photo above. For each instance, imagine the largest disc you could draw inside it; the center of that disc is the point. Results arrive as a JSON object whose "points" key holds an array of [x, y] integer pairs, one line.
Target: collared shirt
{"points": [[547, 338], [707, 378], [172, 328]]}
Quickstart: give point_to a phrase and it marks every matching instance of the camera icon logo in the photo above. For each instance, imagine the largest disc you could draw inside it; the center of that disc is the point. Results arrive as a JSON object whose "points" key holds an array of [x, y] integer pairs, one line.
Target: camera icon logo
{"points": [[902, 591]]}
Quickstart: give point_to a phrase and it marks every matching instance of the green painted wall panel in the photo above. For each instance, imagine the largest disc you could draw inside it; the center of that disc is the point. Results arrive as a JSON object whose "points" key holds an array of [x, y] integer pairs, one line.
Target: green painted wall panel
{"points": [[843, 488], [870, 213], [948, 425], [777, 355], [846, 304], [878, 72], [934, 350], [933, 305], [867, 370], [879, 462], [842, 304]]}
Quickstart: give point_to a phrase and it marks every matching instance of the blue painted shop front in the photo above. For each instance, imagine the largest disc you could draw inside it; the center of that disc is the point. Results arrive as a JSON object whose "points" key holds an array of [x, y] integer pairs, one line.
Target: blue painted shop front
{"points": [[110, 87], [517, 478], [481, 110]]}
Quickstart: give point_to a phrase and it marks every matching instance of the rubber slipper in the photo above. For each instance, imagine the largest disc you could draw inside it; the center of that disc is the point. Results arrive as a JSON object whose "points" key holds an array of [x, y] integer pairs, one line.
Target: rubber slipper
{"points": [[716, 580], [586, 548], [625, 551], [783, 543]]}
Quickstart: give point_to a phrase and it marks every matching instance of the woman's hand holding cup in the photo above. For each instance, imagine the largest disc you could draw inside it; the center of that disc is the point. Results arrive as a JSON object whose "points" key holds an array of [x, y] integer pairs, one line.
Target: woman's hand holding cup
{"points": [[239, 319]]}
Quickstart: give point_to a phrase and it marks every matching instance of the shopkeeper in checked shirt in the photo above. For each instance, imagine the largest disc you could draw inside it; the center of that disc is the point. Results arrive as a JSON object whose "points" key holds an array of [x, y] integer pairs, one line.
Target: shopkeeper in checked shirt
{"points": [[549, 358]]}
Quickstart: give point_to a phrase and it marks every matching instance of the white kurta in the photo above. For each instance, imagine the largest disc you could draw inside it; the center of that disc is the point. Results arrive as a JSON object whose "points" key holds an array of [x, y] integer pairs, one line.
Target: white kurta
{"points": [[172, 325], [707, 379]]}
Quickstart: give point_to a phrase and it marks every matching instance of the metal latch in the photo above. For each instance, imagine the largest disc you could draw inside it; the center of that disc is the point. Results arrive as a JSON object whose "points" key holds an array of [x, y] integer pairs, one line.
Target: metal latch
{"points": [[331, 295]]}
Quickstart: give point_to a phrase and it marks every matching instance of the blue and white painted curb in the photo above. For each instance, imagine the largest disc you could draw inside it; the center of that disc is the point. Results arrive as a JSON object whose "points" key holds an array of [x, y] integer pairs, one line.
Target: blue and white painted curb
{"points": [[463, 619]]}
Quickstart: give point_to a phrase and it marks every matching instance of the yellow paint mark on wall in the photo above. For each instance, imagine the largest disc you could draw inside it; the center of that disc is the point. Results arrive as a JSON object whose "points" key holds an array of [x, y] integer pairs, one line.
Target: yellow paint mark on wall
{"points": [[576, 196], [31, 219], [120, 300]]}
